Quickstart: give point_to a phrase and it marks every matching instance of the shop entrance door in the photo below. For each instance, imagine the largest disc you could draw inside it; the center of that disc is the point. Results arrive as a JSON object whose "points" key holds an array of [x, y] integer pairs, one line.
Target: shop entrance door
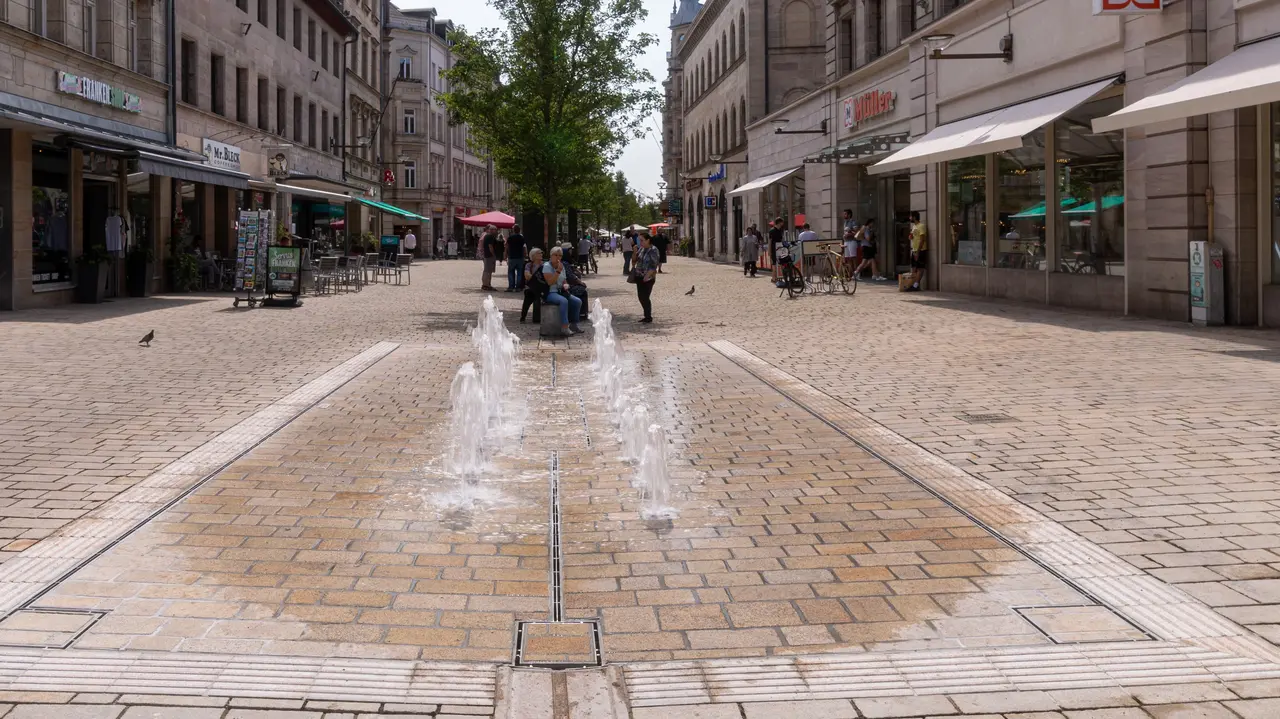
{"points": [[895, 230]]}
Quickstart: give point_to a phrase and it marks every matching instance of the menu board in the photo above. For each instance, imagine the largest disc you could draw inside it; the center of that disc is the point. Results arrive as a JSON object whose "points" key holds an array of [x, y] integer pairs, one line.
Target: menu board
{"points": [[284, 270]]}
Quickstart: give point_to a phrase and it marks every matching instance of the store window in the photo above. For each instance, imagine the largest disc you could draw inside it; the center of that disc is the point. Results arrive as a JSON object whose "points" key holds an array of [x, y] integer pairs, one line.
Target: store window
{"points": [[1090, 177], [51, 259], [1275, 193], [967, 211], [1020, 205], [410, 122]]}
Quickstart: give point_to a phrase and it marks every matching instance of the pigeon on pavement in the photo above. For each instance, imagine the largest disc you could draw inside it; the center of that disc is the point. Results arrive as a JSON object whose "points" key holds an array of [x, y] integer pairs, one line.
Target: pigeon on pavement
{"points": [[146, 341], [691, 289]]}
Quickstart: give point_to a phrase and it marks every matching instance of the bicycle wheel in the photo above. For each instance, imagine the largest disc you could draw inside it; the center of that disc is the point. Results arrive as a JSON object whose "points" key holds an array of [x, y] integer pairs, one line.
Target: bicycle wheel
{"points": [[794, 281], [850, 284]]}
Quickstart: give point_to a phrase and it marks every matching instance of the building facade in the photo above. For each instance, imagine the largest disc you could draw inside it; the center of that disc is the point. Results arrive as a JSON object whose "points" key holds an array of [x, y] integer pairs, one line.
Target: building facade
{"points": [[440, 175], [1072, 169]]}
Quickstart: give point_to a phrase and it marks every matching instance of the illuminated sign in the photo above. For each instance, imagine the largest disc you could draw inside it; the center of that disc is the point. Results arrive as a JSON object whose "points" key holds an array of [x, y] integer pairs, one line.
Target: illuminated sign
{"points": [[860, 108], [99, 92], [1127, 7]]}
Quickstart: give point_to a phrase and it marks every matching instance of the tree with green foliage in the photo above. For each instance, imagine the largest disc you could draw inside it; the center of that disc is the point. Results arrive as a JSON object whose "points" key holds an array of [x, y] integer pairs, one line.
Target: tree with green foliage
{"points": [[555, 95]]}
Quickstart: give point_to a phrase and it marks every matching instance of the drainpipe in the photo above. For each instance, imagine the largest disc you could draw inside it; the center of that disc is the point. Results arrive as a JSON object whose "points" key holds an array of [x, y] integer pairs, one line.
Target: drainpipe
{"points": [[171, 59], [765, 25]]}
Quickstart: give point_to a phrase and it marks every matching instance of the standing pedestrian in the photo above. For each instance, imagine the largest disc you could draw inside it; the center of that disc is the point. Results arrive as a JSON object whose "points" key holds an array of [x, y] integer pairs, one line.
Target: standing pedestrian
{"points": [[411, 242], [776, 236], [807, 235], [750, 251], [489, 252], [645, 274], [849, 222], [919, 251], [535, 286], [515, 260], [661, 242], [628, 245]]}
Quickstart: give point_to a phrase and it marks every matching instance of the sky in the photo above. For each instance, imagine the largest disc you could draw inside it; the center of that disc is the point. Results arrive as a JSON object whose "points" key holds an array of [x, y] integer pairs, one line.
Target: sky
{"points": [[641, 161]]}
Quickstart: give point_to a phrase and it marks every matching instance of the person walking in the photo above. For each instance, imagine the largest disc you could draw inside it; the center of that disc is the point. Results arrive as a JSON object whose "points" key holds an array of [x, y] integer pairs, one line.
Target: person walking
{"points": [[628, 246], [489, 253], [557, 277], [750, 251], [661, 242], [868, 242], [919, 251], [535, 286], [515, 260], [645, 274], [411, 243]]}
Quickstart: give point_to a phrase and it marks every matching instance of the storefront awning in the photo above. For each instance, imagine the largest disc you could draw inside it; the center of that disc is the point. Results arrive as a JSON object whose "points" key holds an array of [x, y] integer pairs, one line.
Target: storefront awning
{"points": [[163, 166], [764, 182], [393, 209], [332, 197], [1249, 76], [76, 131], [997, 131], [1108, 202]]}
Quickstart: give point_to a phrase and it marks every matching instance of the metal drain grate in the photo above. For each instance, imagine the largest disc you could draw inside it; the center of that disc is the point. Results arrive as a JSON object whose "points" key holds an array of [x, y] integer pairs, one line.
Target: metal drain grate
{"points": [[986, 417], [556, 558], [558, 645]]}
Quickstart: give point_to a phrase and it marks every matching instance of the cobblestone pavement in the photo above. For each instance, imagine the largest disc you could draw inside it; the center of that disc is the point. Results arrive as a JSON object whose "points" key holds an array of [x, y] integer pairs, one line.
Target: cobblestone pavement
{"points": [[833, 460]]}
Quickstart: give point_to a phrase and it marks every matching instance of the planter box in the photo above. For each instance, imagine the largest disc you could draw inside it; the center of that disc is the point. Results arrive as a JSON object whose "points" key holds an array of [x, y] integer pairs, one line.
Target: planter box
{"points": [[91, 283]]}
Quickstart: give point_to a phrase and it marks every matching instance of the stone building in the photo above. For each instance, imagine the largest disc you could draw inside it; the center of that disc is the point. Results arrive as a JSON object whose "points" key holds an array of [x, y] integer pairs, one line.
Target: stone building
{"points": [[1071, 167], [673, 91], [739, 61], [440, 176]]}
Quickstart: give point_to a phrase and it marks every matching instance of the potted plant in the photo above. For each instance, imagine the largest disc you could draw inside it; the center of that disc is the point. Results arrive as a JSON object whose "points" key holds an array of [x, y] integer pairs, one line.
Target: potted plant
{"points": [[686, 247], [91, 274], [139, 263]]}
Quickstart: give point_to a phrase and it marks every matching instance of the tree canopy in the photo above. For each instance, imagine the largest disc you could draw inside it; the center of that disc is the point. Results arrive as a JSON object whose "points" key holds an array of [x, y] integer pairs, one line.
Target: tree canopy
{"points": [[555, 95]]}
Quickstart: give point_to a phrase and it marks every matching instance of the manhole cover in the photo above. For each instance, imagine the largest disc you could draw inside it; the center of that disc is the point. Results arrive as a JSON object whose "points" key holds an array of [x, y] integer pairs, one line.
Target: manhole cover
{"points": [[558, 645], [1082, 623], [46, 628], [985, 418]]}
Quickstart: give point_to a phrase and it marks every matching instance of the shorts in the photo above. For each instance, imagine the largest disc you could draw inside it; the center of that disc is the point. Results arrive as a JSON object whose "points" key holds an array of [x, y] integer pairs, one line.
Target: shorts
{"points": [[920, 260], [868, 252], [490, 264]]}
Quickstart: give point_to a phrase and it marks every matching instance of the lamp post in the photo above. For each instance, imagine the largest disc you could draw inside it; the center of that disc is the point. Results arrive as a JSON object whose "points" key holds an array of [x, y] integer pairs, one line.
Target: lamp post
{"points": [[938, 43], [783, 122]]}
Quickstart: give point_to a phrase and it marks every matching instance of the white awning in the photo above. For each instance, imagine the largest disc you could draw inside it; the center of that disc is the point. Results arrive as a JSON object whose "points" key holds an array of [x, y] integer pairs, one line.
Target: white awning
{"points": [[764, 182], [997, 131], [316, 194], [1249, 76]]}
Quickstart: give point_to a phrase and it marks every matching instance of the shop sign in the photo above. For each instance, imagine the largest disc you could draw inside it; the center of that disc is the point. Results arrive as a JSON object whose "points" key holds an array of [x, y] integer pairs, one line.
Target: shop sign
{"points": [[221, 155], [284, 270], [278, 166], [860, 108], [710, 202], [1197, 274], [388, 177], [675, 207], [718, 176], [99, 92], [1127, 7]]}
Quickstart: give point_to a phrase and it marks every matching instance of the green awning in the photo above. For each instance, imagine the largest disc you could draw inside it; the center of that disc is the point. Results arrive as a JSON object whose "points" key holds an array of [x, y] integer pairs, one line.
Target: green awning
{"points": [[393, 209], [1089, 208]]}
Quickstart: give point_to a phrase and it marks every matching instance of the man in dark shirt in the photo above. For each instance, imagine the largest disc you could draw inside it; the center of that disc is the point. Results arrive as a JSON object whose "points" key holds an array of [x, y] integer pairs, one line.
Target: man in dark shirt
{"points": [[661, 242], [775, 238], [515, 260]]}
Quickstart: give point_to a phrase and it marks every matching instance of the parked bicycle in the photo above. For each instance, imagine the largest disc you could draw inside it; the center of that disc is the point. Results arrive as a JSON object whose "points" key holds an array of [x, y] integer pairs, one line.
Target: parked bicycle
{"points": [[835, 271]]}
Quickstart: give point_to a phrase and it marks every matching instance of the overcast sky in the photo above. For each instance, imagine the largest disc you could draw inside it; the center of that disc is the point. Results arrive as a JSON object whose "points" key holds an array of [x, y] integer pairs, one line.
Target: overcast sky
{"points": [[642, 159]]}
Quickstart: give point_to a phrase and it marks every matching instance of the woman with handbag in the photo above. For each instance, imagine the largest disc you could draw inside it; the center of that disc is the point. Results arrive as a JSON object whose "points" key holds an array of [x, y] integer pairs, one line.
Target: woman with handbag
{"points": [[644, 273], [557, 277]]}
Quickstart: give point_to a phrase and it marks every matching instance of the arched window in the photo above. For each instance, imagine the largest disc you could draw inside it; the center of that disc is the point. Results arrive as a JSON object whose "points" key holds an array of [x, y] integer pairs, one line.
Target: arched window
{"points": [[742, 118], [797, 24], [794, 95], [733, 123], [719, 138], [742, 36], [724, 51], [733, 42]]}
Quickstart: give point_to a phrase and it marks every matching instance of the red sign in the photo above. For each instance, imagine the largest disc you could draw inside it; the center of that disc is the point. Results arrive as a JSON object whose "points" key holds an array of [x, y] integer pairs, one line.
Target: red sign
{"points": [[388, 177], [860, 108], [1126, 7]]}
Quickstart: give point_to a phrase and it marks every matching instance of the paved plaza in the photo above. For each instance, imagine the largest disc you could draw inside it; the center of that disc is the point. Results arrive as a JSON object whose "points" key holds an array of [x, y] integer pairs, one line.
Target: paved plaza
{"points": [[887, 506]]}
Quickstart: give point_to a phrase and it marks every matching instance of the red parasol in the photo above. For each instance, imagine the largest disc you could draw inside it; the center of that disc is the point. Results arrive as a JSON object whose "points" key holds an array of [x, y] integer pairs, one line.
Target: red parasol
{"points": [[498, 219]]}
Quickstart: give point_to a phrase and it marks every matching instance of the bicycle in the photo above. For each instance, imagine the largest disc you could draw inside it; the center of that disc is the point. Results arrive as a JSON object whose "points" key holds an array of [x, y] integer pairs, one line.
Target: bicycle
{"points": [[837, 274], [1081, 264], [792, 280]]}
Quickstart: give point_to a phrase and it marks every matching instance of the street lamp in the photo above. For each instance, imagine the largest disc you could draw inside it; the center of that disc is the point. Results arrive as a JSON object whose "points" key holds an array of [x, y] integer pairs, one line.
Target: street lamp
{"points": [[720, 160], [781, 123], [937, 45]]}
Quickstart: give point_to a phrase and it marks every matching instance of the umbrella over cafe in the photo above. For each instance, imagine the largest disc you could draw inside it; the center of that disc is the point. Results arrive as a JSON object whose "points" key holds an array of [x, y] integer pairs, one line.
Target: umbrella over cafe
{"points": [[635, 228], [659, 226], [500, 220]]}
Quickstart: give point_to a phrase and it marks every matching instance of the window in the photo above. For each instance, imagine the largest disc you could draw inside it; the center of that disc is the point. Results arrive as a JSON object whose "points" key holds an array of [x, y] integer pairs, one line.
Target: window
{"points": [[190, 94], [264, 104], [324, 129], [967, 211], [797, 24], [297, 118], [51, 221], [410, 122], [297, 29], [311, 124], [131, 35], [742, 36], [243, 5], [406, 68], [324, 49], [846, 59], [337, 58], [280, 18], [217, 84], [37, 13], [1020, 202], [242, 95], [1275, 192], [877, 29], [263, 12], [364, 59], [336, 136], [906, 18], [89, 26], [311, 39], [411, 175], [949, 5], [1090, 177], [282, 111]]}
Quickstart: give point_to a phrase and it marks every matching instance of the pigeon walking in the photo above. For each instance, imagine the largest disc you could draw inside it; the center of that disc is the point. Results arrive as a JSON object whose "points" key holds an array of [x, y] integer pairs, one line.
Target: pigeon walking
{"points": [[691, 289], [146, 341]]}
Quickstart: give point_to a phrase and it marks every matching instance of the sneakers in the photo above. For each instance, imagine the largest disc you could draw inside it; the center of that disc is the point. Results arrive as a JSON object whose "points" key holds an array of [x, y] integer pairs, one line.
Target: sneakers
{"points": [[912, 288], [575, 329], [647, 320]]}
